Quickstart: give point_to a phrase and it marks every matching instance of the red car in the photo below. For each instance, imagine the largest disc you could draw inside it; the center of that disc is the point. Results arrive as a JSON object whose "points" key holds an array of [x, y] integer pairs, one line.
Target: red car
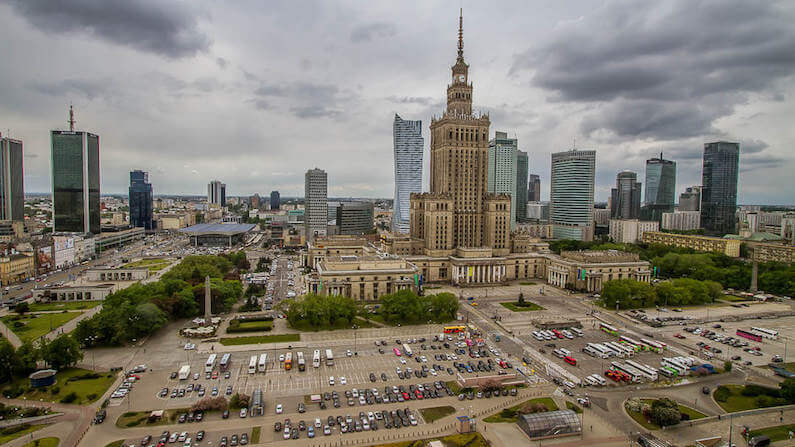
{"points": [[215, 374], [418, 394], [406, 396], [679, 336]]}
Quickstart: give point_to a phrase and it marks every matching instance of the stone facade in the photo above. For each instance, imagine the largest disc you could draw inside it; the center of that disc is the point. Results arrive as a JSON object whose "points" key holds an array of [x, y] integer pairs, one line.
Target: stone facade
{"points": [[15, 268], [729, 247], [363, 277]]}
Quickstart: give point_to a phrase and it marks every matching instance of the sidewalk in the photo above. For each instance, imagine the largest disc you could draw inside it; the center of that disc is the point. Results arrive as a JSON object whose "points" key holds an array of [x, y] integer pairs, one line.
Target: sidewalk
{"points": [[10, 335]]}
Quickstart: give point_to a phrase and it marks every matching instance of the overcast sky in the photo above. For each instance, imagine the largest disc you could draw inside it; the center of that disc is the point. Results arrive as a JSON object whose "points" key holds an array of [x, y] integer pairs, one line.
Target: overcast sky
{"points": [[255, 93]]}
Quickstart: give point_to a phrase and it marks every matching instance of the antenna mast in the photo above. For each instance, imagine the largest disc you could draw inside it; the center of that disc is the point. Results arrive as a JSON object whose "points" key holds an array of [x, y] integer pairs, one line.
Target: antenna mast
{"points": [[71, 118]]}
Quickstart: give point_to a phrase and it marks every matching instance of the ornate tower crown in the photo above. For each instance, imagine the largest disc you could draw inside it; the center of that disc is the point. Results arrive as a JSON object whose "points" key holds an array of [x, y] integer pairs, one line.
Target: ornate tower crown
{"points": [[459, 92]]}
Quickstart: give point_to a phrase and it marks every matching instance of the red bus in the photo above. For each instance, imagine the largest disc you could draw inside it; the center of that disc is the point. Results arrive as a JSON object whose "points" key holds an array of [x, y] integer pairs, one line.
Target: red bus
{"points": [[749, 335], [570, 360], [557, 333], [612, 375]]}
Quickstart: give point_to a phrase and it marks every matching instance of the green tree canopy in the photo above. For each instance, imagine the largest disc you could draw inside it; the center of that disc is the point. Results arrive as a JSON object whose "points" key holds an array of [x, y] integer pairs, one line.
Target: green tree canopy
{"points": [[62, 352]]}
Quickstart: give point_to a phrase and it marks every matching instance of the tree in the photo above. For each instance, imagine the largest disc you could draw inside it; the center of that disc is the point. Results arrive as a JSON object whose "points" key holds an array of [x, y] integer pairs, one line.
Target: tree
{"points": [[28, 355], [788, 389], [521, 298], [239, 400], [62, 352], [727, 366], [665, 412], [22, 308], [9, 361]]}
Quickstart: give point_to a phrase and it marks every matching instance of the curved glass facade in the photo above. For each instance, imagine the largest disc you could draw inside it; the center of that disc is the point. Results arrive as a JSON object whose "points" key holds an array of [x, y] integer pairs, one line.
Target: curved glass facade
{"points": [[571, 194], [408, 144]]}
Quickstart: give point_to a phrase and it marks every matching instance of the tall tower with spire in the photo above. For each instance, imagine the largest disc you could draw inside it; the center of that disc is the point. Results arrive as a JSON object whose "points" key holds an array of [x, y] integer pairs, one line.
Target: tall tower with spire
{"points": [[458, 211]]}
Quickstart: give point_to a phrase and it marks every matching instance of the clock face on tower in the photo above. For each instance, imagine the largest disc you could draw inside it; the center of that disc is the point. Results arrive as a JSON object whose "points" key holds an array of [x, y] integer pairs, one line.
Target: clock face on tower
{"points": [[461, 78]]}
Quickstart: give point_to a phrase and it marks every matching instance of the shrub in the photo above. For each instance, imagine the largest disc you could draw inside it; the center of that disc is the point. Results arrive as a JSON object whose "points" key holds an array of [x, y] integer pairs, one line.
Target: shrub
{"points": [[722, 394], [490, 385], [684, 416], [14, 429], [211, 403], [751, 390], [239, 400], [69, 398], [92, 396], [55, 390], [508, 413]]}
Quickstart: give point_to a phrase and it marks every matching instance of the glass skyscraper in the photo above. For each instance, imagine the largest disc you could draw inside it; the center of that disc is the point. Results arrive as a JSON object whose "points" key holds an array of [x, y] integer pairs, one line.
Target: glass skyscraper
{"points": [[534, 188], [719, 177], [571, 194], [408, 147], [140, 200], [502, 168], [625, 197], [216, 193], [12, 187], [75, 181], [275, 200], [660, 188], [522, 168]]}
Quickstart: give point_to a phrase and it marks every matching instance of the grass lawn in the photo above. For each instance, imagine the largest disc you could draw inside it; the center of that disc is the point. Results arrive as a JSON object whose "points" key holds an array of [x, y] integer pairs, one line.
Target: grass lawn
{"points": [[141, 418], [736, 401], [44, 442], [640, 419], [255, 435], [527, 283], [434, 413], [258, 339], [735, 298], [572, 406], [154, 265], [251, 326], [87, 390], [119, 443], [528, 306], [11, 436], [546, 401], [777, 433], [460, 440], [788, 366], [36, 325], [67, 305]]}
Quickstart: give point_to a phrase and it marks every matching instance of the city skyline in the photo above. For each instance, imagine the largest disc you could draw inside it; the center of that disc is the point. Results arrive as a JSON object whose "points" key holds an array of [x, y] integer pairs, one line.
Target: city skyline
{"points": [[536, 91]]}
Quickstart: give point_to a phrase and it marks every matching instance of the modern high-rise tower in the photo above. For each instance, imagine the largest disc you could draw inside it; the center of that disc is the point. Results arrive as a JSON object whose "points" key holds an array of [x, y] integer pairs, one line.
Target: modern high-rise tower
{"points": [[408, 147], [216, 193], [660, 188], [719, 177], [625, 197], [690, 200], [275, 200], [502, 168], [140, 200], [458, 211], [571, 194], [12, 186], [522, 168], [315, 203], [534, 188], [75, 180]]}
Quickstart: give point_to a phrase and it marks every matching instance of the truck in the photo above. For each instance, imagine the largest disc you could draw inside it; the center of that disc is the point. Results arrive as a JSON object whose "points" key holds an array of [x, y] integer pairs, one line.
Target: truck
{"points": [[184, 372]]}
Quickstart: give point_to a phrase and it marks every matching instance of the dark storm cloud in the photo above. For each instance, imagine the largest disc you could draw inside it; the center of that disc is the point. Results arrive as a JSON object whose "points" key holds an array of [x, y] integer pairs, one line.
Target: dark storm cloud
{"points": [[222, 63], [166, 28], [368, 32], [422, 100], [305, 99], [664, 70], [89, 88], [314, 112]]}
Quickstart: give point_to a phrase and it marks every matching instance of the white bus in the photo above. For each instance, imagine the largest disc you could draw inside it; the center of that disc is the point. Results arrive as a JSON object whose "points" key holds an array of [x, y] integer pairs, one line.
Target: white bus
{"points": [[766, 333], [576, 331], [329, 358], [301, 362], [633, 373], [647, 371], [635, 345], [407, 350], [653, 345], [184, 372], [226, 360], [591, 351], [616, 351], [599, 379], [674, 365], [262, 363], [628, 352], [208, 367], [316, 359], [252, 364], [603, 351]]}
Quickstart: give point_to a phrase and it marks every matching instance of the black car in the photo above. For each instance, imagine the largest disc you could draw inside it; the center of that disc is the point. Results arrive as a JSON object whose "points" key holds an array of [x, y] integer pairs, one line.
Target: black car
{"points": [[225, 414], [200, 435], [383, 377], [277, 427], [173, 375], [372, 377]]}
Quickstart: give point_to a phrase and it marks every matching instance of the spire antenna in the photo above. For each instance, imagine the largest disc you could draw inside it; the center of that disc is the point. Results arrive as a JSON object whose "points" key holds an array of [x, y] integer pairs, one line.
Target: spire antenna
{"points": [[71, 118], [461, 34]]}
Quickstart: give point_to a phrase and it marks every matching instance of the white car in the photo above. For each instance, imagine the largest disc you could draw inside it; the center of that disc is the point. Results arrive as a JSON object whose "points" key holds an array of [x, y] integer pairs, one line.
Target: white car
{"points": [[343, 380], [281, 357], [279, 409], [317, 423], [348, 353], [402, 360], [286, 434], [331, 380]]}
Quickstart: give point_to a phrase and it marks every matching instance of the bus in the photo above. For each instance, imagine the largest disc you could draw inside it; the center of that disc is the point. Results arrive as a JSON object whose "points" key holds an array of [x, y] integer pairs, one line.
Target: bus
{"points": [[184, 372], [208, 367], [252, 364], [608, 329], [454, 329], [329, 358], [570, 360], [749, 335], [598, 379], [590, 351], [225, 361], [668, 372], [316, 359], [634, 374], [654, 346], [262, 363], [578, 333], [600, 349], [647, 371], [626, 341], [557, 333], [766, 333], [680, 369], [288, 361], [622, 350], [407, 350], [301, 361]]}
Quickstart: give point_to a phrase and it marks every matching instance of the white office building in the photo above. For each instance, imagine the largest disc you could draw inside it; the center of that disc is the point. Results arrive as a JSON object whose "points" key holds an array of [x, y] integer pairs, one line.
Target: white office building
{"points": [[681, 220], [408, 146], [316, 203], [630, 231], [502, 169]]}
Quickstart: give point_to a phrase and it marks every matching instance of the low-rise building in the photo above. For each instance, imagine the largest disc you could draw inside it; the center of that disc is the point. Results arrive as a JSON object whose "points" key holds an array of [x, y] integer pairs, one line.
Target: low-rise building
{"points": [[11, 230], [729, 247], [16, 267], [589, 270], [111, 274], [772, 252], [681, 220], [92, 292], [630, 231], [322, 247], [113, 239], [363, 277]]}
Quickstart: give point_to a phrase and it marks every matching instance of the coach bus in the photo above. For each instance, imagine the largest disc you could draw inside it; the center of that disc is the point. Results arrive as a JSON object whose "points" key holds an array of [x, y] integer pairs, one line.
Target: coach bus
{"points": [[252, 364], [288, 361], [628, 352], [208, 367], [316, 359], [301, 361], [454, 329], [680, 368], [626, 341], [262, 363], [578, 333], [329, 358], [634, 374], [608, 329], [226, 360], [749, 335], [602, 351], [647, 371], [766, 333], [653, 345], [407, 350]]}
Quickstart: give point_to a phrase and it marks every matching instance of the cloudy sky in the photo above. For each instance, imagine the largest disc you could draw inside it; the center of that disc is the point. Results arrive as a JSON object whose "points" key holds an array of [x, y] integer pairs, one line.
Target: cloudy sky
{"points": [[255, 93]]}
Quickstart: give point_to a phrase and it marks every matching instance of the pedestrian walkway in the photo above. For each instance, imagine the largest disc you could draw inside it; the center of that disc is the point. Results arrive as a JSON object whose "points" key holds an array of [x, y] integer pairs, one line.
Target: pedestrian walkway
{"points": [[10, 335]]}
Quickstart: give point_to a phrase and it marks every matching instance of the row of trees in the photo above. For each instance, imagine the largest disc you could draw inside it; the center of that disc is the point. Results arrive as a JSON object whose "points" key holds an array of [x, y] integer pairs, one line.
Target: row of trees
{"points": [[63, 351], [631, 294], [406, 307], [141, 309], [315, 312]]}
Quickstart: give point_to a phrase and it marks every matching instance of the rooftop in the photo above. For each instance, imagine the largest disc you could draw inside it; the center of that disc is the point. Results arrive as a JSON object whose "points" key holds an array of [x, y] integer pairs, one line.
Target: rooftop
{"points": [[220, 228]]}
